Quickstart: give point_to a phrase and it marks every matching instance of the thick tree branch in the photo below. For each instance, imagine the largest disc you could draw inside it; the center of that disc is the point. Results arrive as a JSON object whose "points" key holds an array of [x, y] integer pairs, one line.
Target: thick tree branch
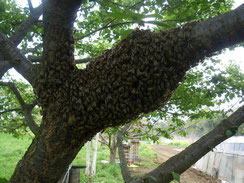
{"points": [[182, 161], [25, 26], [17, 37], [221, 31], [30, 6], [30, 121], [16, 59], [59, 23], [58, 48], [32, 104], [123, 163], [4, 66], [27, 108]]}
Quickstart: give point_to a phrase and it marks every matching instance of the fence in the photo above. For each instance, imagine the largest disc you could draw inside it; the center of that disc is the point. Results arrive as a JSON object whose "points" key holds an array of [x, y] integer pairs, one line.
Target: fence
{"points": [[226, 162]]}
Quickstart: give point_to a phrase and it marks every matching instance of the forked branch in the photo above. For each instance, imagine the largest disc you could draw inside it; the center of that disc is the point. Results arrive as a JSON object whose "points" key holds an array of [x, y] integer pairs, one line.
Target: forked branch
{"points": [[26, 108]]}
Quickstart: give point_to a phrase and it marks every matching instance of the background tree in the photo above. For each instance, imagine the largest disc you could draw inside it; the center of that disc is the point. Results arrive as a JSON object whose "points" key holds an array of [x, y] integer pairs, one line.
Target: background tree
{"points": [[138, 75]]}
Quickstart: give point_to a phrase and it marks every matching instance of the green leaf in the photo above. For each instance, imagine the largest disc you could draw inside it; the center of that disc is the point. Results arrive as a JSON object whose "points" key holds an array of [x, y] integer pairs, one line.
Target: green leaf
{"points": [[228, 133], [176, 176], [3, 180], [149, 177], [211, 148]]}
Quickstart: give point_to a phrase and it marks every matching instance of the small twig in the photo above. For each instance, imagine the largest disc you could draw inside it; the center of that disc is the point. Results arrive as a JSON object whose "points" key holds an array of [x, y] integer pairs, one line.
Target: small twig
{"points": [[108, 24], [102, 28], [136, 4], [89, 7], [11, 110], [28, 50], [104, 140]]}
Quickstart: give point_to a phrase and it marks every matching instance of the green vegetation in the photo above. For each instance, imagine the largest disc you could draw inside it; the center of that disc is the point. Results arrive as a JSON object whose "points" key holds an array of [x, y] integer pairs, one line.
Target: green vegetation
{"points": [[146, 151], [12, 149], [179, 144]]}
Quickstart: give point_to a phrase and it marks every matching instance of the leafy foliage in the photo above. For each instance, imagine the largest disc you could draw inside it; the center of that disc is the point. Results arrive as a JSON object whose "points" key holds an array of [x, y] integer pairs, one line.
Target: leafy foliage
{"points": [[12, 119], [11, 16], [176, 176], [102, 23]]}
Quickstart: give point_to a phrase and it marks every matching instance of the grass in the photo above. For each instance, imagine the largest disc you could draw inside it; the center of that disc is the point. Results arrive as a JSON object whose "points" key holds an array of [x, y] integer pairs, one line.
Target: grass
{"points": [[147, 152], [179, 144], [12, 150], [105, 173]]}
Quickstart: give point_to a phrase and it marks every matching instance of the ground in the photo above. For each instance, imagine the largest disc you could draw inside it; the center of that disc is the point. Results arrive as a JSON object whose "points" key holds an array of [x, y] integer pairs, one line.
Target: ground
{"points": [[190, 176]]}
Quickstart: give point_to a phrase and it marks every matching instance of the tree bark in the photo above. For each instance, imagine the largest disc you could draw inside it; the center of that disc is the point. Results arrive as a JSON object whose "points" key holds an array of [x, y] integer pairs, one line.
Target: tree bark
{"points": [[182, 161], [16, 59], [123, 163], [113, 148], [137, 76], [4, 66]]}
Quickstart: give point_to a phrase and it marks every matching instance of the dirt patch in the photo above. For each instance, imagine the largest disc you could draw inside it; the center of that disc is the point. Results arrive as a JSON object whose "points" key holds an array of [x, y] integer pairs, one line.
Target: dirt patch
{"points": [[190, 176]]}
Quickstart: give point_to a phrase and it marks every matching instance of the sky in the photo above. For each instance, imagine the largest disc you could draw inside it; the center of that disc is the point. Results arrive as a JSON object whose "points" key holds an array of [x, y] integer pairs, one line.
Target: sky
{"points": [[237, 55]]}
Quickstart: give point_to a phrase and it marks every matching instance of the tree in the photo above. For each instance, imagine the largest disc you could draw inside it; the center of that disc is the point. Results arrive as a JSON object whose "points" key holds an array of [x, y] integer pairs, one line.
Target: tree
{"points": [[138, 75], [108, 138]]}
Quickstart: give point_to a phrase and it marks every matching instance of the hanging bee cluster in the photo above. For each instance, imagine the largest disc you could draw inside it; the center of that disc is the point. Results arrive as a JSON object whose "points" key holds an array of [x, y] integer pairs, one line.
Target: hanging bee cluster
{"points": [[53, 85], [137, 76]]}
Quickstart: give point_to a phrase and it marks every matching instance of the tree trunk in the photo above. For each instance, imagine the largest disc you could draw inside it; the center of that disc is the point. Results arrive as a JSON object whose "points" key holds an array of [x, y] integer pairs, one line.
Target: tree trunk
{"points": [[48, 157], [94, 160], [123, 163], [112, 149], [88, 147], [112, 156]]}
